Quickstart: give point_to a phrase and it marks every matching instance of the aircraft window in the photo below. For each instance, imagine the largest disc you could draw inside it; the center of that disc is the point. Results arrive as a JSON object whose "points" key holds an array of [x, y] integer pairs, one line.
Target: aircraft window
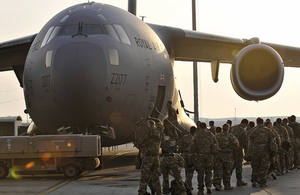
{"points": [[113, 56], [64, 18], [91, 29], [49, 58], [54, 33], [47, 36], [111, 31], [102, 17], [69, 30], [122, 34]]}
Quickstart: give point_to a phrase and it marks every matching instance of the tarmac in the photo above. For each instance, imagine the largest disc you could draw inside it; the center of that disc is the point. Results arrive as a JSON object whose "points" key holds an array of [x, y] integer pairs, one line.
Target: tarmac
{"points": [[119, 176]]}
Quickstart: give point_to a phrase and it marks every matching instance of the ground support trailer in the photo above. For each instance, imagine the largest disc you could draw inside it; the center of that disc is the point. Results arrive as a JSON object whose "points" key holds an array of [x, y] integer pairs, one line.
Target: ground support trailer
{"points": [[45, 154]]}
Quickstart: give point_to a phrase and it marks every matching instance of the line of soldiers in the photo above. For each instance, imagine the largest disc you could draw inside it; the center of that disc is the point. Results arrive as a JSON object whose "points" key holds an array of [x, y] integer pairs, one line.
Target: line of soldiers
{"points": [[274, 148], [215, 155]]}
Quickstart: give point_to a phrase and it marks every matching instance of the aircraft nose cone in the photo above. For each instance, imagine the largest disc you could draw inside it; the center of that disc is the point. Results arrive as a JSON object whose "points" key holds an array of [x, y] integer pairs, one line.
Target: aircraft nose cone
{"points": [[79, 73]]}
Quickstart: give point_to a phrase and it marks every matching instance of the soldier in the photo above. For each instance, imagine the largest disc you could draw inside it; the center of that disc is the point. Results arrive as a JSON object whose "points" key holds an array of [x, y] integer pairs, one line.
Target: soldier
{"points": [[171, 122], [284, 136], [218, 130], [239, 132], [205, 146], [171, 162], [296, 129], [224, 159], [289, 158], [212, 127], [148, 150], [198, 125], [249, 128], [229, 122], [273, 159], [189, 159], [259, 147]]}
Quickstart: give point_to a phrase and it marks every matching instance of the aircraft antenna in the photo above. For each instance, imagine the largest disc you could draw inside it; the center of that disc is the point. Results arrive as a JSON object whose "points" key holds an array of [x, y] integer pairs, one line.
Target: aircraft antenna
{"points": [[143, 17]]}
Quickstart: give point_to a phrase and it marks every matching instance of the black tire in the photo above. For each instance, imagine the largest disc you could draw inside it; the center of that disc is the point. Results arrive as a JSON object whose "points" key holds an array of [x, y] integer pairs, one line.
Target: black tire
{"points": [[3, 171], [91, 163], [71, 171]]}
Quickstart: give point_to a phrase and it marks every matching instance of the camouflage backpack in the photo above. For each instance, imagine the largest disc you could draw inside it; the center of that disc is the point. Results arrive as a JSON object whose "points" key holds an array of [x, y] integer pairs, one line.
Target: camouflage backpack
{"points": [[141, 132]]}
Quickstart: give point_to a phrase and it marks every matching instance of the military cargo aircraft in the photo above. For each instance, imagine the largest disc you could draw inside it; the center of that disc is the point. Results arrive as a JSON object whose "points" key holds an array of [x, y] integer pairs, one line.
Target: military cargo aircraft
{"points": [[95, 68]]}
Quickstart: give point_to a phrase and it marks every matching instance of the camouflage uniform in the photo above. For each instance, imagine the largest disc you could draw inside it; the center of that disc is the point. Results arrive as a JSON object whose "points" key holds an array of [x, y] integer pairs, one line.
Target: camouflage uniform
{"points": [[296, 129], [248, 131], [284, 136], [224, 160], [172, 162], [289, 160], [150, 160], [205, 146], [169, 124], [260, 140], [189, 159], [239, 132], [274, 160], [212, 129]]}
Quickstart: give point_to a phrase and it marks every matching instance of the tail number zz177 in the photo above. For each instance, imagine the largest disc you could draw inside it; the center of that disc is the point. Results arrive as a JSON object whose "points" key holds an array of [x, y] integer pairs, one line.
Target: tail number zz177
{"points": [[118, 79]]}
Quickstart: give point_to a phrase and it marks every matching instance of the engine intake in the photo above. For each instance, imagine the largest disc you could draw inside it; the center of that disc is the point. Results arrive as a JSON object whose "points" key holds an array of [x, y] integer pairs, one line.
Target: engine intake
{"points": [[257, 72]]}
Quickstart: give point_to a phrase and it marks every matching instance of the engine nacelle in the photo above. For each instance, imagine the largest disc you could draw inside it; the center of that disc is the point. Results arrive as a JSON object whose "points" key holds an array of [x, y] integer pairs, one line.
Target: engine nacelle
{"points": [[257, 72]]}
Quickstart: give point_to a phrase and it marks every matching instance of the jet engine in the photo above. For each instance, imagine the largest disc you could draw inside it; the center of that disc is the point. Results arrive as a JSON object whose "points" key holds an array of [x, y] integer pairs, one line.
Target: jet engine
{"points": [[257, 72]]}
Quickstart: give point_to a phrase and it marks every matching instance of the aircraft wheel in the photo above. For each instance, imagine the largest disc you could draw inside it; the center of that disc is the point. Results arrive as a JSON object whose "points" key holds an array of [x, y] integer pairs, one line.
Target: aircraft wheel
{"points": [[3, 171], [71, 170]]}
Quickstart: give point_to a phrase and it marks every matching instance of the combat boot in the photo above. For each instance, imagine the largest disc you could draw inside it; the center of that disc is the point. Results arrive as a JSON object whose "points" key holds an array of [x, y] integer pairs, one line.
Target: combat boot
{"points": [[273, 175], [278, 174], [263, 185], [241, 183], [208, 191], [229, 188], [200, 192], [189, 192], [218, 187]]}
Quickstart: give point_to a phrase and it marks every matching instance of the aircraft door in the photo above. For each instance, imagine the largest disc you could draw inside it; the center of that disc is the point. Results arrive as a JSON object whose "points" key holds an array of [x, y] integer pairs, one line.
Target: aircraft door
{"points": [[159, 100]]}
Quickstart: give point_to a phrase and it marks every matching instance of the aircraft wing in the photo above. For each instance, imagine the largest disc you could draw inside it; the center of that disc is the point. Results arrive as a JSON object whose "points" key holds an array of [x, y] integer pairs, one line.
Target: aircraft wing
{"points": [[13, 55], [188, 45], [290, 55]]}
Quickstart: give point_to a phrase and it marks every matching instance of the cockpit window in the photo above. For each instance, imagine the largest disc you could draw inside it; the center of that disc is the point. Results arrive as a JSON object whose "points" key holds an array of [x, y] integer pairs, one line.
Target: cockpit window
{"points": [[54, 33], [91, 29], [111, 31], [122, 34], [117, 31], [64, 18], [51, 33], [102, 17], [83, 29], [47, 36], [69, 30]]}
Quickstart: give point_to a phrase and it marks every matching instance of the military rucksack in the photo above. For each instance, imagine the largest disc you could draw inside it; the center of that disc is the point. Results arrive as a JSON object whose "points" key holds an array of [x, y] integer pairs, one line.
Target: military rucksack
{"points": [[141, 132]]}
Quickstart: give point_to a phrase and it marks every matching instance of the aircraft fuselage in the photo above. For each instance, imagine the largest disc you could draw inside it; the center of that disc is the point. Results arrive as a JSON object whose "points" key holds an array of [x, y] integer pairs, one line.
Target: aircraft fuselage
{"points": [[94, 65]]}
